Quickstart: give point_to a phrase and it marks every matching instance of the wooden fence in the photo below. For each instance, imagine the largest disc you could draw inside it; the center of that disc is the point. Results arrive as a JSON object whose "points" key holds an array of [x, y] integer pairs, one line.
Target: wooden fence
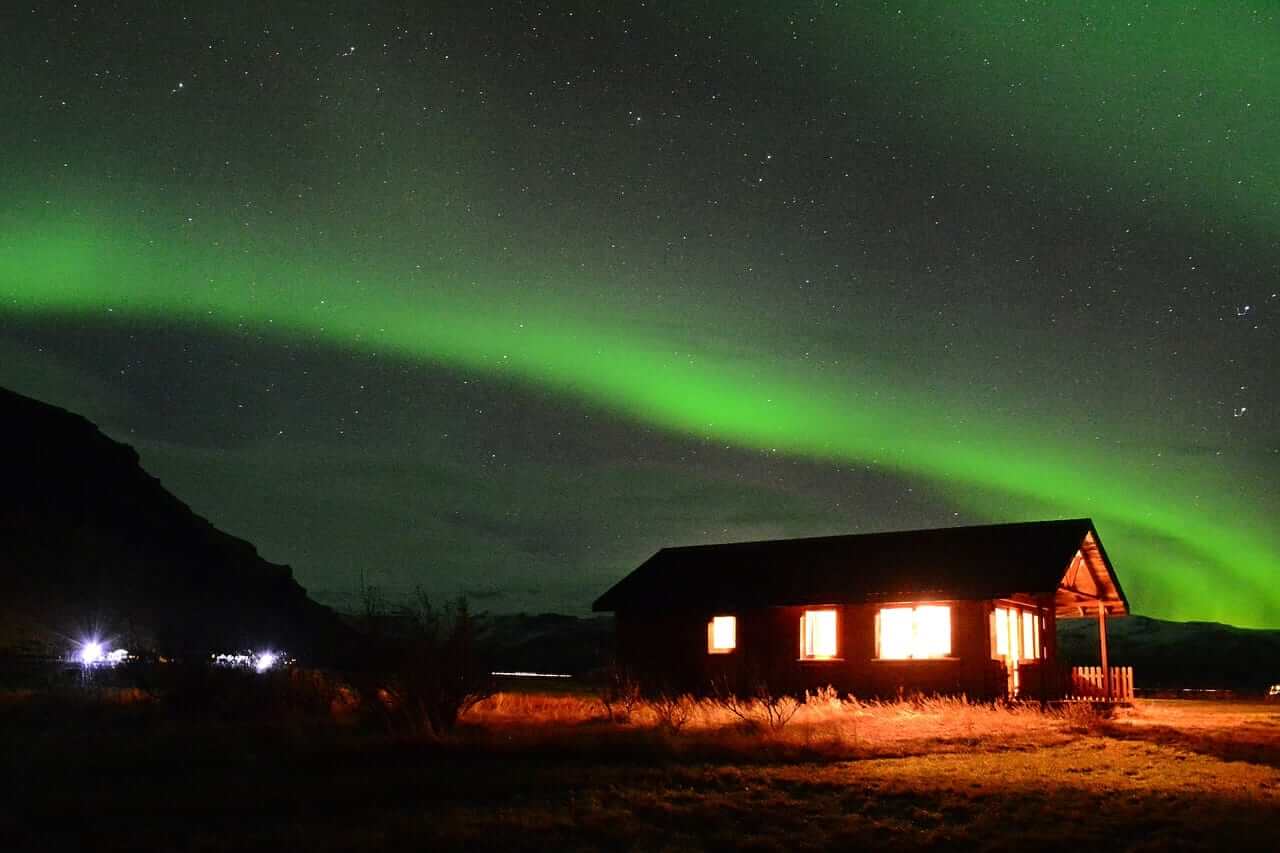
{"points": [[1087, 683]]}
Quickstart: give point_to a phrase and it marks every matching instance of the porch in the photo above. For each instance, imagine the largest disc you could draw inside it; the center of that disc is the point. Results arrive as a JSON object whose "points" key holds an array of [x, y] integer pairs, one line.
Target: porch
{"points": [[1088, 590], [1076, 683]]}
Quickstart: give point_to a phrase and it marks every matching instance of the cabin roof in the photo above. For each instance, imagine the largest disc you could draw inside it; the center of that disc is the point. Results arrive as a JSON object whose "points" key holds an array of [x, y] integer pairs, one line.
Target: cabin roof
{"points": [[1064, 558]]}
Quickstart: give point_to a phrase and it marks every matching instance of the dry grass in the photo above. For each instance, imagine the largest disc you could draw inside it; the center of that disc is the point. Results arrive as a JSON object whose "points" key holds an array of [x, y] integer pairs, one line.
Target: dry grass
{"points": [[1235, 731], [551, 771], [824, 726]]}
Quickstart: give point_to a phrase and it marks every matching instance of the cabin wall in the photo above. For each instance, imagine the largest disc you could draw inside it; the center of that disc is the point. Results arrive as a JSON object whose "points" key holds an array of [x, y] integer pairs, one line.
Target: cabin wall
{"points": [[668, 651], [1044, 679]]}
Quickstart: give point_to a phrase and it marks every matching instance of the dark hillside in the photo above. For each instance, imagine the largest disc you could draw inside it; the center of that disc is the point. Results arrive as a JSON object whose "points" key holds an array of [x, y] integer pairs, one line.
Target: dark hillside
{"points": [[1205, 655], [91, 542]]}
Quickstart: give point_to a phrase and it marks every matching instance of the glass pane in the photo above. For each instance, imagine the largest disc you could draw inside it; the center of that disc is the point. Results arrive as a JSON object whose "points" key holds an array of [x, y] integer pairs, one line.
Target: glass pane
{"points": [[819, 633], [896, 633], [724, 630], [933, 631], [1002, 632], [1029, 648]]}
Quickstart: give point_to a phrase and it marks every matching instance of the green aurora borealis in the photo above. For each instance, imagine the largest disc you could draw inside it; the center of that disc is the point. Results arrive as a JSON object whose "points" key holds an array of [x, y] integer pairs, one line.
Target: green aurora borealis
{"points": [[1146, 145]]}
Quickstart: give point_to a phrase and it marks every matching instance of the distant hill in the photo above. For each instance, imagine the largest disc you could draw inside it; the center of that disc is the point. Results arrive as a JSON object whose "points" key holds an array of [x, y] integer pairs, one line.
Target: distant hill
{"points": [[1177, 654], [549, 642], [91, 543]]}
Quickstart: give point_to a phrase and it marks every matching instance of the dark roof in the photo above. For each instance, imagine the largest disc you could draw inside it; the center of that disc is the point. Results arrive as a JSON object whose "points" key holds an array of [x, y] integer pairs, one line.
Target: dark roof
{"points": [[988, 561]]}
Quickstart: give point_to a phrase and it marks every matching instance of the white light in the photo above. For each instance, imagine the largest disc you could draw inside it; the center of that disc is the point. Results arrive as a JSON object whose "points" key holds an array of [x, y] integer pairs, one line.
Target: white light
{"points": [[1030, 648], [91, 653], [915, 632], [116, 656], [724, 633], [896, 633], [818, 634], [933, 631], [264, 661]]}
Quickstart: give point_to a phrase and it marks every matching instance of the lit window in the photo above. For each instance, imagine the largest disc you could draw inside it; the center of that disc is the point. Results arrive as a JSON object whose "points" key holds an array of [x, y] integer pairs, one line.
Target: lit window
{"points": [[1030, 640], [1002, 632], [907, 633], [1017, 634], [818, 634], [722, 634], [897, 633]]}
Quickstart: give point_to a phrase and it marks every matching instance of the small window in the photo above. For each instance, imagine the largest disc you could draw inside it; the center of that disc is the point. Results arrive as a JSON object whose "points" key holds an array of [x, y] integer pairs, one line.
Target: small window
{"points": [[1002, 632], [818, 634], [1017, 634], [1030, 636], [722, 635], [912, 633]]}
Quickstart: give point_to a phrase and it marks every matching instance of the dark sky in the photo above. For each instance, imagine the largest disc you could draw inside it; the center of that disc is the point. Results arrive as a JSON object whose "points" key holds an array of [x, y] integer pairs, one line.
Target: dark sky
{"points": [[499, 300]]}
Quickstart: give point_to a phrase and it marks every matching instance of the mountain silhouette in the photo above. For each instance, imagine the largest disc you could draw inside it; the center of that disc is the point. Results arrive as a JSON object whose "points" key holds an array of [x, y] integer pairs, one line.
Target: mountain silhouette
{"points": [[95, 546]]}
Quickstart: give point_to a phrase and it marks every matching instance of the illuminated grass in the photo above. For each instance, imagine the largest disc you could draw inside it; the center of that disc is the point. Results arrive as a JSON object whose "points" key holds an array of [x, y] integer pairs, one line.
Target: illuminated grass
{"points": [[587, 784]]}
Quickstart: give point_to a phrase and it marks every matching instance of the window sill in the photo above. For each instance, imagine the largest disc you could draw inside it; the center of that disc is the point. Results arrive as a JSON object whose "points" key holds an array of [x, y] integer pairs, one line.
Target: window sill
{"points": [[820, 660], [913, 660]]}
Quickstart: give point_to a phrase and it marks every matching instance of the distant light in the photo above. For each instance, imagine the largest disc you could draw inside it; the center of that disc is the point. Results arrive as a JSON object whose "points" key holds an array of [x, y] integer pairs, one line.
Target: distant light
{"points": [[531, 674], [1274, 691], [116, 656], [230, 660], [257, 661], [91, 653]]}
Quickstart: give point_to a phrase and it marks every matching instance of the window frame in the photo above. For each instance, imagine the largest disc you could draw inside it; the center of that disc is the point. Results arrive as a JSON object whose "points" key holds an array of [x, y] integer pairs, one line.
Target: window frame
{"points": [[1000, 613], [836, 654], [914, 607], [712, 648]]}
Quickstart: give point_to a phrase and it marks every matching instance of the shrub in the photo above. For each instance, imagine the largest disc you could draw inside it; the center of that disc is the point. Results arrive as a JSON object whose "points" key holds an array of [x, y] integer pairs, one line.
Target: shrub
{"points": [[1081, 717], [432, 671], [761, 711], [672, 710], [620, 695]]}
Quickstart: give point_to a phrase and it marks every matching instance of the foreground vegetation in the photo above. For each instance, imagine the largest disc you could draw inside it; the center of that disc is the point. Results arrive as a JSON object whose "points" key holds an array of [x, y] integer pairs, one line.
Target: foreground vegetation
{"points": [[522, 771]]}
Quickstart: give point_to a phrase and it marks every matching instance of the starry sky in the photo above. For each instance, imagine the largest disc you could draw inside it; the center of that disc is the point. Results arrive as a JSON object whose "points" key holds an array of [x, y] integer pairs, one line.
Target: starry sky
{"points": [[499, 300]]}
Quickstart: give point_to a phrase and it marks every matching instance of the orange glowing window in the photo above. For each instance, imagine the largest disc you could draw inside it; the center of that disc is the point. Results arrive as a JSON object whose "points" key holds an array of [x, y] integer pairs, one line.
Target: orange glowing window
{"points": [[1030, 635], [911, 633], [722, 635], [818, 631], [1017, 634]]}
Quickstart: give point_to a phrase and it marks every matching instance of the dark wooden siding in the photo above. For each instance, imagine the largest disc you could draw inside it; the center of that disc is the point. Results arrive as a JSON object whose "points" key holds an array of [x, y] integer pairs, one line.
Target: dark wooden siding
{"points": [[668, 651]]}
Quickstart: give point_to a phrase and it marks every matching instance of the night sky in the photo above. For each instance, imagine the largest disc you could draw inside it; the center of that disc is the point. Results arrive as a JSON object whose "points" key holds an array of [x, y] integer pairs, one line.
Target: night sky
{"points": [[501, 300]]}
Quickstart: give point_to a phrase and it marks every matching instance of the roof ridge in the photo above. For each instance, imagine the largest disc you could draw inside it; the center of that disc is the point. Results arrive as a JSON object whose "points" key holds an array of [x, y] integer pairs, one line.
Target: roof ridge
{"points": [[909, 532]]}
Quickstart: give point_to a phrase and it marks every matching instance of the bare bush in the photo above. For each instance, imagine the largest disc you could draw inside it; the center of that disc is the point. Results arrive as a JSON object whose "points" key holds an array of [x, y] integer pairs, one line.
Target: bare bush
{"points": [[1080, 717], [430, 671], [763, 710], [673, 711], [620, 695]]}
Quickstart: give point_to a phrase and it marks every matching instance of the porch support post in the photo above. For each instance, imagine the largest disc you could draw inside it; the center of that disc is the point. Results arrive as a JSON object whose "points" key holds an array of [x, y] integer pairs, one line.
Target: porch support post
{"points": [[1102, 645]]}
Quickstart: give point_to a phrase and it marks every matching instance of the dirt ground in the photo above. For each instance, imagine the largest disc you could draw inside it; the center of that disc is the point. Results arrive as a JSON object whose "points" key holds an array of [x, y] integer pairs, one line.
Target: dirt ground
{"points": [[1162, 775]]}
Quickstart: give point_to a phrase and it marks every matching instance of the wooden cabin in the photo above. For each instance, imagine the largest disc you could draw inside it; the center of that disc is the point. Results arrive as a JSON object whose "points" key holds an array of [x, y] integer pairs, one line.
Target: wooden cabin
{"points": [[962, 610]]}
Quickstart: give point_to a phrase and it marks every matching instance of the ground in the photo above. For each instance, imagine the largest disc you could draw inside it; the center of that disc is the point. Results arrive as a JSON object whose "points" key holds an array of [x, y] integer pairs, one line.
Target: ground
{"points": [[530, 773]]}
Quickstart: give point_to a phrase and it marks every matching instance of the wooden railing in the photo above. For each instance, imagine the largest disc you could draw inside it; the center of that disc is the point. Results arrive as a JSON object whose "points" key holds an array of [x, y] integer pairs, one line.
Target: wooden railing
{"points": [[1088, 683]]}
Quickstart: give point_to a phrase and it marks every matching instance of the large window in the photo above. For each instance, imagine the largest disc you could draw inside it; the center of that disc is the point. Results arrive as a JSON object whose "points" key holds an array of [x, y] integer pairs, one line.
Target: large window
{"points": [[910, 633], [818, 634], [722, 635], [1017, 634]]}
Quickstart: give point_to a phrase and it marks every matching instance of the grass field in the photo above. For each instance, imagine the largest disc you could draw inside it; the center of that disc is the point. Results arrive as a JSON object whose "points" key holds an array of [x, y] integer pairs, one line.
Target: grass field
{"points": [[550, 771]]}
